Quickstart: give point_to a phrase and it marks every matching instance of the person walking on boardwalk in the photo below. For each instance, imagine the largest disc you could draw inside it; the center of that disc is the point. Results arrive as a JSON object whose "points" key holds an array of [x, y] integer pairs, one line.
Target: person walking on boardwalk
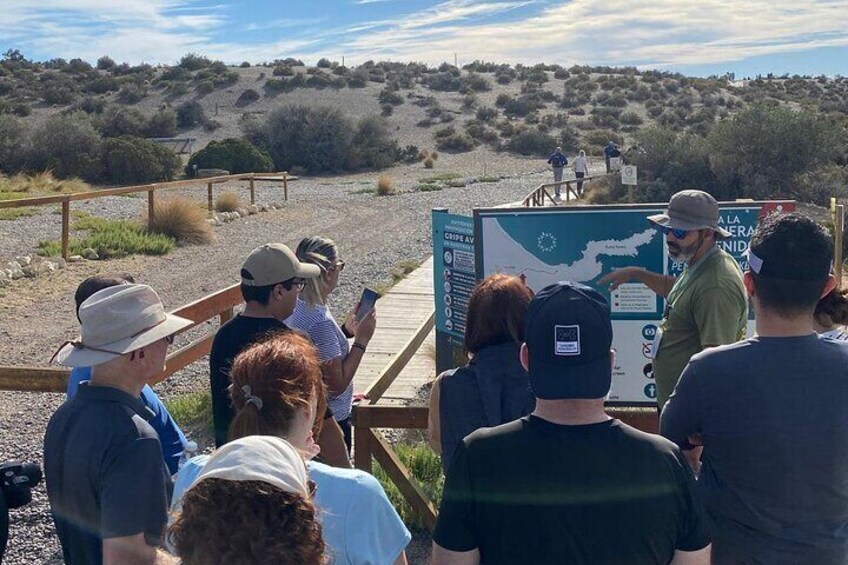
{"points": [[581, 169], [568, 483], [558, 161], [770, 412]]}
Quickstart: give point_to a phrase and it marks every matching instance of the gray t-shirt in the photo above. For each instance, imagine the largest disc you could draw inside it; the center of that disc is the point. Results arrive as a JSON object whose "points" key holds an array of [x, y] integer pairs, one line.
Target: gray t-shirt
{"points": [[773, 416]]}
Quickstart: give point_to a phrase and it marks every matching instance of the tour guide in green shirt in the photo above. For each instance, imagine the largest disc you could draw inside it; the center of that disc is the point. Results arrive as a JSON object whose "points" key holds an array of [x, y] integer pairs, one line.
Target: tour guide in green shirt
{"points": [[706, 306]]}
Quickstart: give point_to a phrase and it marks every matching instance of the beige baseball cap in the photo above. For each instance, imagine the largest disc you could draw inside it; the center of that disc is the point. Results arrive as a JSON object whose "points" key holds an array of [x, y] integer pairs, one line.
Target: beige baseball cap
{"points": [[274, 263]]}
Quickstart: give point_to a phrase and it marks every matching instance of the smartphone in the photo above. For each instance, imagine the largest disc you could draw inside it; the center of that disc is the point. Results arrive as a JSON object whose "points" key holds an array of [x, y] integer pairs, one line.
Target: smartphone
{"points": [[366, 303]]}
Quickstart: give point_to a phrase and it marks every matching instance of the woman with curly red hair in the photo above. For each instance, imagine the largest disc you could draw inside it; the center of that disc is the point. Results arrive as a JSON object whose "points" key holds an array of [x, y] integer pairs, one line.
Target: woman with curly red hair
{"points": [[276, 390]]}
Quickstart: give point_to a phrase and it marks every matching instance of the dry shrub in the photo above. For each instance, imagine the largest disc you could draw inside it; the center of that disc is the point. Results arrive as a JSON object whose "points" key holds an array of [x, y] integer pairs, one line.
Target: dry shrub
{"points": [[181, 219], [428, 163], [434, 156], [422, 155], [385, 186], [227, 202]]}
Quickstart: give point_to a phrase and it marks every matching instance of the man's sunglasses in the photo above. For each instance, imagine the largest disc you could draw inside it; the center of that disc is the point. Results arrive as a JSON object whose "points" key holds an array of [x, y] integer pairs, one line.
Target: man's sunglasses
{"points": [[298, 284], [678, 233], [339, 266]]}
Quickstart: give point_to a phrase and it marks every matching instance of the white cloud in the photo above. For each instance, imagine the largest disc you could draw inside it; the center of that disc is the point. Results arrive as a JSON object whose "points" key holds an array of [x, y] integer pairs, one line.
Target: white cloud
{"points": [[646, 32]]}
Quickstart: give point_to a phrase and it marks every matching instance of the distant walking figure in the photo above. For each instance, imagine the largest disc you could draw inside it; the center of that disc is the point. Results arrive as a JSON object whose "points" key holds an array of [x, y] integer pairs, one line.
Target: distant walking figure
{"points": [[581, 169], [558, 161]]}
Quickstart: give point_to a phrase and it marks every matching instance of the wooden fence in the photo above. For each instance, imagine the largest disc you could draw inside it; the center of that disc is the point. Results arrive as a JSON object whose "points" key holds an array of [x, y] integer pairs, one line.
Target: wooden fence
{"points": [[151, 189], [540, 193], [218, 304]]}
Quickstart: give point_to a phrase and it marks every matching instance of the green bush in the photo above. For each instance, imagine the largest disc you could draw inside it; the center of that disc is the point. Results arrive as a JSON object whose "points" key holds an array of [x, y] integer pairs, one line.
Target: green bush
{"points": [[132, 160], [105, 63], [112, 239], [190, 114], [205, 87], [132, 93], [532, 142], [448, 139], [12, 144], [321, 140], [162, 124], [247, 97], [194, 62], [231, 154], [68, 145], [758, 152], [117, 121], [58, 95]]}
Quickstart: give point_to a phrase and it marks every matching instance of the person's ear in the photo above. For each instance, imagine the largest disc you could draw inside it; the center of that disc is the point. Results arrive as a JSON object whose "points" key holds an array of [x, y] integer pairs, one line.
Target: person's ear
{"points": [[829, 286], [748, 281], [524, 357]]}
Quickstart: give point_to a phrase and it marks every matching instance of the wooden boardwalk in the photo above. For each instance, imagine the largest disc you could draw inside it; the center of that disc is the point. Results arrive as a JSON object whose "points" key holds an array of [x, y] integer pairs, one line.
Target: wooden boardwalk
{"points": [[399, 313]]}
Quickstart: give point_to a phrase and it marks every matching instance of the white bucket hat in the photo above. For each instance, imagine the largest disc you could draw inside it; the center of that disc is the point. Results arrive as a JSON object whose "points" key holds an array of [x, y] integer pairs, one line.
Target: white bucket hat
{"points": [[259, 458], [118, 320]]}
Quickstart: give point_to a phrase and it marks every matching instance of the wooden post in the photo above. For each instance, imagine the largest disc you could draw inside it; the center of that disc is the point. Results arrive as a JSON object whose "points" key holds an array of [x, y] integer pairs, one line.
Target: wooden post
{"points": [[66, 226], [286, 187], [209, 196], [362, 446], [225, 316], [252, 189], [150, 204]]}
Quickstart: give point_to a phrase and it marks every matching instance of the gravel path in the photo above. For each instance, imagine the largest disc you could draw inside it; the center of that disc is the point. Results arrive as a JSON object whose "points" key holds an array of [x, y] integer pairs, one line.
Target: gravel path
{"points": [[373, 233]]}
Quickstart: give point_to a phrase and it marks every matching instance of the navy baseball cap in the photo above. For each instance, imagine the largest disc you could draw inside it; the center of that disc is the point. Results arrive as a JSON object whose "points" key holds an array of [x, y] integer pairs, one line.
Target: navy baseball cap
{"points": [[568, 337]]}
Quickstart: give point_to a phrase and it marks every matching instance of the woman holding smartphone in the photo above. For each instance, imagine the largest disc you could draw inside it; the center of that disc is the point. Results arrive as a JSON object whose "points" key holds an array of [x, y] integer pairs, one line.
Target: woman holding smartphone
{"points": [[339, 359]]}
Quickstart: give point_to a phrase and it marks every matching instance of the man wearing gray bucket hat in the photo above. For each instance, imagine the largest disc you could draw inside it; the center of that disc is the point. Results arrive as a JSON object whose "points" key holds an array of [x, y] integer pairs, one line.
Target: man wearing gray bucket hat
{"points": [[706, 305], [106, 480]]}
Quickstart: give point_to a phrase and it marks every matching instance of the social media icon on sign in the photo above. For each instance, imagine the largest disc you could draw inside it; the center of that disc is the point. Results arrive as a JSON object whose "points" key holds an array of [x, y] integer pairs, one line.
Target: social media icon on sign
{"points": [[651, 390], [649, 331]]}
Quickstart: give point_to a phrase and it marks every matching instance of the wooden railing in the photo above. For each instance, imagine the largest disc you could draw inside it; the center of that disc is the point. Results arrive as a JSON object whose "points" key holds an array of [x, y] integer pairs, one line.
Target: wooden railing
{"points": [[50, 379], [541, 192], [151, 189], [368, 417]]}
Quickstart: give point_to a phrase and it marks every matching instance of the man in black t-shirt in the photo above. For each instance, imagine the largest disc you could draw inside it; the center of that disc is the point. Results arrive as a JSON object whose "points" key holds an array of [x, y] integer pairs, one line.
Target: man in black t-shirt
{"points": [[271, 279], [569, 484]]}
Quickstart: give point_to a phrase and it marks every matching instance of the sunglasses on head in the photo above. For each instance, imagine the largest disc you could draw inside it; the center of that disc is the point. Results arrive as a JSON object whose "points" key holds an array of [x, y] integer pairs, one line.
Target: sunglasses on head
{"points": [[339, 266], [678, 233]]}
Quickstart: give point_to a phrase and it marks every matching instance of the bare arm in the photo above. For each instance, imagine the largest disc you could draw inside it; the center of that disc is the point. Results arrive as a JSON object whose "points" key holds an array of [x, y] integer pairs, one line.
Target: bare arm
{"points": [[660, 284], [339, 372], [331, 441], [401, 560], [442, 556], [133, 550], [700, 557]]}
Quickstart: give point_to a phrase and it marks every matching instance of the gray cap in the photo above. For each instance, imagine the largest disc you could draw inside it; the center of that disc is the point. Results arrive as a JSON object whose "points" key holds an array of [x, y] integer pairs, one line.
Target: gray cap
{"points": [[691, 210]]}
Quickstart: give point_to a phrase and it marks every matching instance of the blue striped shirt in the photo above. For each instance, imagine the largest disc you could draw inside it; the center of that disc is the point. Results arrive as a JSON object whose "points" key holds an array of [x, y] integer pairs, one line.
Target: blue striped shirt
{"points": [[327, 336]]}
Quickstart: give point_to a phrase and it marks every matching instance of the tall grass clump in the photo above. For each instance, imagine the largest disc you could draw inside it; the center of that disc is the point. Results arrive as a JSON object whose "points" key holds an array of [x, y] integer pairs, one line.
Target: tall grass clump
{"points": [[428, 163], [182, 220], [385, 186], [227, 202], [425, 467], [111, 239]]}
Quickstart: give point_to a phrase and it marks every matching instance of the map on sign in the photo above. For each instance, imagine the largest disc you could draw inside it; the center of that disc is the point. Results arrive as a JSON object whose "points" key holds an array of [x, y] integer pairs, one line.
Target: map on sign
{"points": [[539, 249]]}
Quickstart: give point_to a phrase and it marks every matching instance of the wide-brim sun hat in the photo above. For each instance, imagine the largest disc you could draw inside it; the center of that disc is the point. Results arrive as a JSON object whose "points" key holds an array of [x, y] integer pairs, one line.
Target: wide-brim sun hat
{"points": [[691, 210], [116, 321]]}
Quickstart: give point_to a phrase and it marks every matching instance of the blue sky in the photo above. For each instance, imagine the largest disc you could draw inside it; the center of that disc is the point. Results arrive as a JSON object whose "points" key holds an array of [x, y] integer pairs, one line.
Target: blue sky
{"points": [[694, 37]]}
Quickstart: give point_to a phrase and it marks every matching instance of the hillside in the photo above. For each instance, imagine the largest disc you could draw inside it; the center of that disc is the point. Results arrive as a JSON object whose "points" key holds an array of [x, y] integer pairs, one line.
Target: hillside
{"points": [[485, 103]]}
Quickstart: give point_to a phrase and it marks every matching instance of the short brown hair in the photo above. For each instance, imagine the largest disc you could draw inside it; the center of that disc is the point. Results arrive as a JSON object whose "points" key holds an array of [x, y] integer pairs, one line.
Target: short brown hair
{"points": [[497, 310], [283, 371], [246, 522]]}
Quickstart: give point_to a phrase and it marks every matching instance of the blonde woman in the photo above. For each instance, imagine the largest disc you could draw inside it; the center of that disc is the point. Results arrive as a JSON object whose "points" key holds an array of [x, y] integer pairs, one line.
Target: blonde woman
{"points": [[339, 359]]}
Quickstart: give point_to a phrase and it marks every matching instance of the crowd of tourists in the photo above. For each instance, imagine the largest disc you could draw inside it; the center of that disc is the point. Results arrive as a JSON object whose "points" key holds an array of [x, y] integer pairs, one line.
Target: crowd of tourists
{"points": [[751, 464]]}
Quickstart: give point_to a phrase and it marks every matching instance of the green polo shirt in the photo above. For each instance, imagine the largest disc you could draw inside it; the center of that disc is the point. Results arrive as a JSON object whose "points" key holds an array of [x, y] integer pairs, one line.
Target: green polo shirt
{"points": [[706, 306]]}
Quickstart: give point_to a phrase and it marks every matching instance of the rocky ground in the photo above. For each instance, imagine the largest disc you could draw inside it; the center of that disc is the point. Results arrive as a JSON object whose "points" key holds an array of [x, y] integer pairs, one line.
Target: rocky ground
{"points": [[374, 234]]}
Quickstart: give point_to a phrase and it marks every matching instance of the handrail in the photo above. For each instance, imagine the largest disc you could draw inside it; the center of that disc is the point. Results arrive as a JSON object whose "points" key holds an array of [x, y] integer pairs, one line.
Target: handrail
{"points": [[537, 196], [52, 379], [66, 199]]}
